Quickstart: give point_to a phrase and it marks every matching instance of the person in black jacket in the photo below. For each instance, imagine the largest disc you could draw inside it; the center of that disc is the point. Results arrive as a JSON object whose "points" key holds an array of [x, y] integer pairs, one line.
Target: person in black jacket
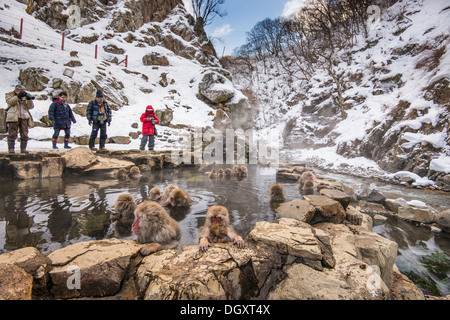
{"points": [[61, 116], [98, 115]]}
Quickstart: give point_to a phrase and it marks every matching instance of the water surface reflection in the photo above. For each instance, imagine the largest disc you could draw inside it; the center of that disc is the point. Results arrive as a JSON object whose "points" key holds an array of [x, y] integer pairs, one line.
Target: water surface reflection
{"points": [[52, 213]]}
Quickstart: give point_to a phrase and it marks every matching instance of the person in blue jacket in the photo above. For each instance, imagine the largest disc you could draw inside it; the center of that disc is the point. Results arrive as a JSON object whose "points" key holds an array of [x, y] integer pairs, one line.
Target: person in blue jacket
{"points": [[61, 116]]}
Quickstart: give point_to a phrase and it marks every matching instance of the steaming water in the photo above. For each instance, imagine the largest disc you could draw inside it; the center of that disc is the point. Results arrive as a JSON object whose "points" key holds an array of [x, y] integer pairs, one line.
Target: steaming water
{"points": [[52, 213]]}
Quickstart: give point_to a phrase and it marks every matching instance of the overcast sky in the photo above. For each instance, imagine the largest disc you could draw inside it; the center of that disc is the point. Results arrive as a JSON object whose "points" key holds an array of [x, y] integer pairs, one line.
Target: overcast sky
{"points": [[230, 31]]}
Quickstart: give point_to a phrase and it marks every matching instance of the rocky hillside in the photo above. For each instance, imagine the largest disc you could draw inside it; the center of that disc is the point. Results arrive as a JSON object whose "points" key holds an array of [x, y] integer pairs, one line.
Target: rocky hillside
{"points": [[170, 64], [394, 85]]}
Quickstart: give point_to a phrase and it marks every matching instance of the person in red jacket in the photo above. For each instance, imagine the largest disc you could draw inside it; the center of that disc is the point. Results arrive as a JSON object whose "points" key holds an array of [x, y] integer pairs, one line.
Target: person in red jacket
{"points": [[149, 120]]}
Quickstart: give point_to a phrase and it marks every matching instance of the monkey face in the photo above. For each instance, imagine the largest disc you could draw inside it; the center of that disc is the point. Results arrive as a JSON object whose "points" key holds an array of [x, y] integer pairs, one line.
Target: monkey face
{"points": [[179, 198], [135, 227], [218, 215]]}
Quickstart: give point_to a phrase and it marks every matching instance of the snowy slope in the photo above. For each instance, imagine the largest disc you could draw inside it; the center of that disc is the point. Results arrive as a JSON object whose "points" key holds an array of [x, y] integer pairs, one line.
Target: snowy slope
{"points": [[183, 74], [387, 67]]}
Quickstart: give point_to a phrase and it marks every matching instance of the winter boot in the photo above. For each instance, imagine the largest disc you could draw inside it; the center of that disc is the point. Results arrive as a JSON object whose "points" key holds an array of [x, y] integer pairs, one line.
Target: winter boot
{"points": [[93, 149], [11, 144], [66, 144], [54, 141], [23, 146]]}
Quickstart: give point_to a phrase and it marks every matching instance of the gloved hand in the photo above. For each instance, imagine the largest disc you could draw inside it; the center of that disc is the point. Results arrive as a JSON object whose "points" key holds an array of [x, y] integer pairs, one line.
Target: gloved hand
{"points": [[148, 119], [22, 95], [90, 122]]}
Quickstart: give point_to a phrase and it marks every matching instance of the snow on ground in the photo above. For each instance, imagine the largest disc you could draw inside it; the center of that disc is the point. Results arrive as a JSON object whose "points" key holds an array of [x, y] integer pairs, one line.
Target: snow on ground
{"points": [[188, 110], [179, 96], [423, 22]]}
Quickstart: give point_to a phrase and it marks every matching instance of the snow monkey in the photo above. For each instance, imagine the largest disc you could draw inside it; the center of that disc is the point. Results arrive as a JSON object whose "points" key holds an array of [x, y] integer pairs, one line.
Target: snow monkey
{"points": [[307, 175], [135, 173], [213, 174], [308, 188], [217, 229], [124, 207], [242, 172], [166, 193], [220, 174], [228, 172], [154, 227], [123, 214], [155, 194], [276, 194], [235, 170], [179, 199], [122, 174]]}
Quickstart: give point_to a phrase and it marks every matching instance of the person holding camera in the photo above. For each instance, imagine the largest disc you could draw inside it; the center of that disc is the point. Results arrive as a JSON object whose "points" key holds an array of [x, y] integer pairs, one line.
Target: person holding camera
{"points": [[98, 114], [61, 116], [18, 117], [149, 120]]}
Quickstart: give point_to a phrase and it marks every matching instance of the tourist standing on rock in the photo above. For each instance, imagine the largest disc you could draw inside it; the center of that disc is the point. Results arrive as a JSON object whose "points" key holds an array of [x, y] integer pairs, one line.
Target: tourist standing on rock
{"points": [[18, 118], [61, 116], [149, 120], [98, 115]]}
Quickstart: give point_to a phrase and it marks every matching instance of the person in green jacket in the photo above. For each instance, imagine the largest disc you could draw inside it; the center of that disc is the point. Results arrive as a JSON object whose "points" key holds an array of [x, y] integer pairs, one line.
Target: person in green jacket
{"points": [[18, 117]]}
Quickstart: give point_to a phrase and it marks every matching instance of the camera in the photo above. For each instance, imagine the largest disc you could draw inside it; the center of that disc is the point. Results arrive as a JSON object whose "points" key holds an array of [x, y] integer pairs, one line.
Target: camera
{"points": [[29, 96], [101, 114]]}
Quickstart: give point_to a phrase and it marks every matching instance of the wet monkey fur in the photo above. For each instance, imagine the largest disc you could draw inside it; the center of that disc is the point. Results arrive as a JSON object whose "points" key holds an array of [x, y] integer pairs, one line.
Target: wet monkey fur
{"points": [[277, 194], [124, 207], [179, 199], [154, 194], [154, 227]]}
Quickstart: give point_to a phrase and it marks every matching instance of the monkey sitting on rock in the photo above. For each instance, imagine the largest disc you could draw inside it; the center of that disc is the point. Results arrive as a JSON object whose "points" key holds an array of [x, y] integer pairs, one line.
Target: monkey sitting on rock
{"points": [[306, 183], [217, 229]]}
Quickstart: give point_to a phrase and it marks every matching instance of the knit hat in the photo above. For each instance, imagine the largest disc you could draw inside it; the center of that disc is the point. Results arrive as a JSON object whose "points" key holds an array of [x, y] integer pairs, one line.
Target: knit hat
{"points": [[99, 94], [19, 87]]}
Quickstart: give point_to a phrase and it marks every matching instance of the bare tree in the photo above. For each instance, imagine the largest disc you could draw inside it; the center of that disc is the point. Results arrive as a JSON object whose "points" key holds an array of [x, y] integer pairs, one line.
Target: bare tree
{"points": [[206, 10]]}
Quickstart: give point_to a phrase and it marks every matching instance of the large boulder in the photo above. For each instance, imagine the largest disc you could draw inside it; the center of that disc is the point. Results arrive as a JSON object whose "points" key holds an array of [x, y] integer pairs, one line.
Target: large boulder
{"points": [[15, 283], [155, 59], [108, 165], [362, 244], [79, 158], [30, 261], [218, 274], [340, 196], [216, 88], [100, 266], [404, 289], [139, 12], [443, 220], [300, 210], [417, 214], [34, 79], [357, 273], [52, 167], [297, 240], [329, 210]]}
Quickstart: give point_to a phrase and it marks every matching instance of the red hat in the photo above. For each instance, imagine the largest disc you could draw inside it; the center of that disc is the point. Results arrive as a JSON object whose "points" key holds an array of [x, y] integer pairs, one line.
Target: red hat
{"points": [[149, 108]]}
